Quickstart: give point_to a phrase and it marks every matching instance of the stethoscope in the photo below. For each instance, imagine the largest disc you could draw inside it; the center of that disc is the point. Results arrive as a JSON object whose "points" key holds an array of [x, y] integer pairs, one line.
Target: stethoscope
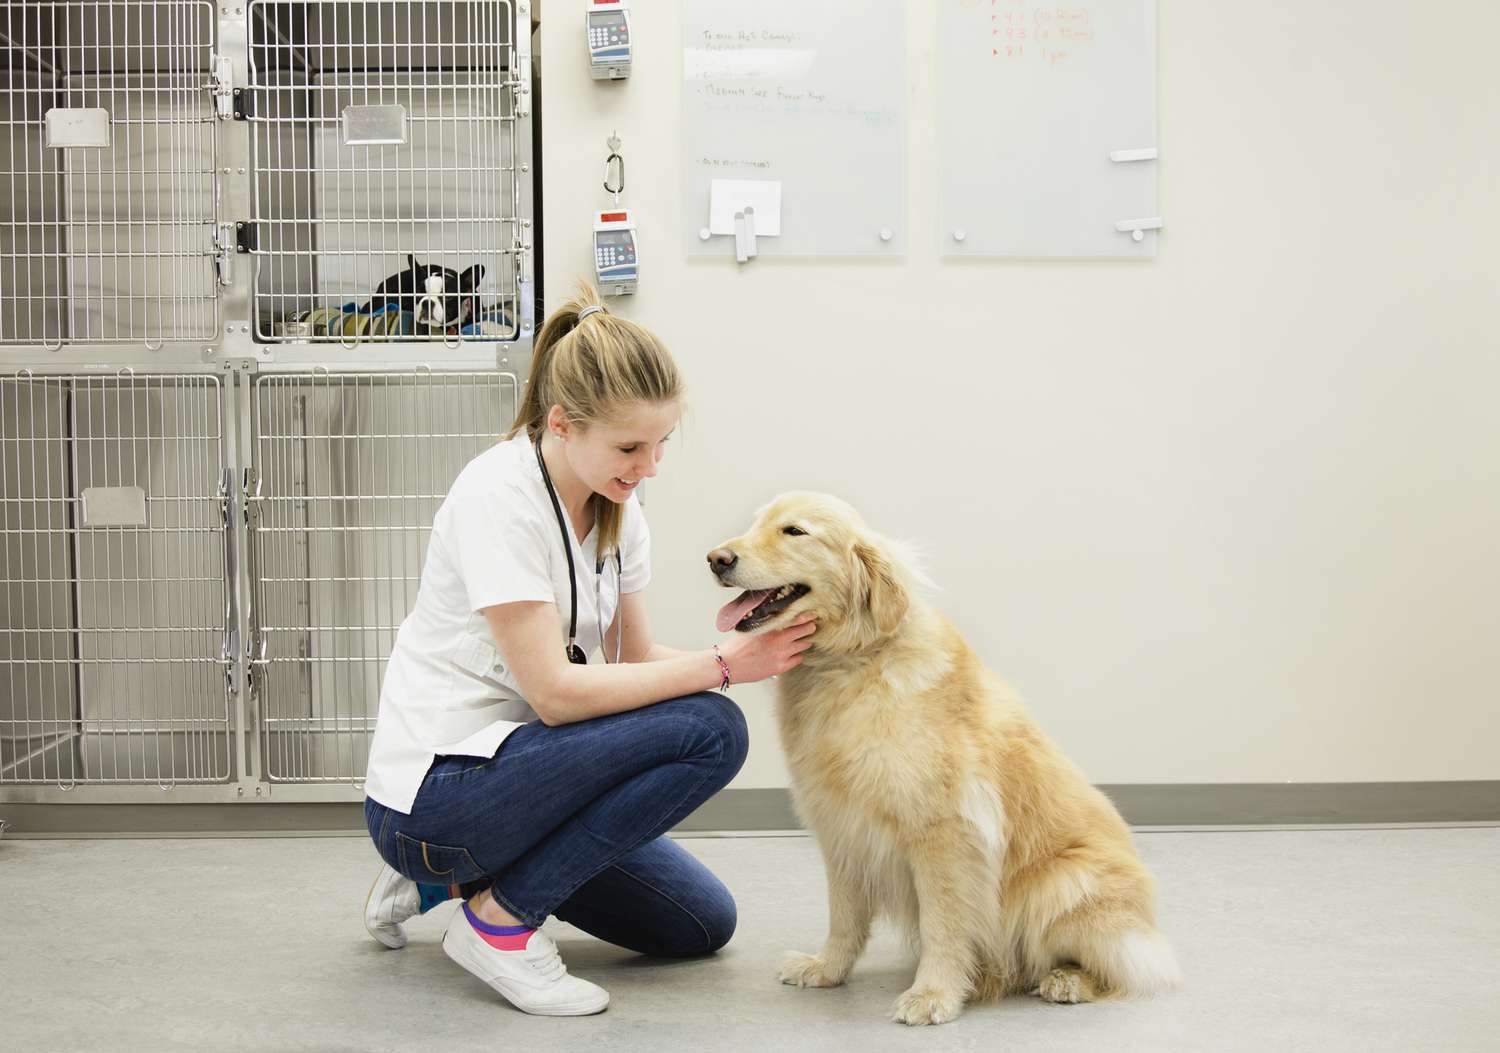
{"points": [[574, 652]]}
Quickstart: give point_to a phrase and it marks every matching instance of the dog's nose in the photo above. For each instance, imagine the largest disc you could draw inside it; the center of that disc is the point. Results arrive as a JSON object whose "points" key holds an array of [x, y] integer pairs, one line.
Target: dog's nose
{"points": [[720, 560]]}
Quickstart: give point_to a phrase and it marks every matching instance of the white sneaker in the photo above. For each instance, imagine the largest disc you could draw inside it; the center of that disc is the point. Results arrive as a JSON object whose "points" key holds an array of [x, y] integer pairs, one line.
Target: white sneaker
{"points": [[391, 901], [533, 979]]}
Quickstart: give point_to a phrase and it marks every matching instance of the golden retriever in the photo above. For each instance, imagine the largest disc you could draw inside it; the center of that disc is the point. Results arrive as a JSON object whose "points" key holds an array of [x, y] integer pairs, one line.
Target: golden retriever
{"points": [[935, 799]]}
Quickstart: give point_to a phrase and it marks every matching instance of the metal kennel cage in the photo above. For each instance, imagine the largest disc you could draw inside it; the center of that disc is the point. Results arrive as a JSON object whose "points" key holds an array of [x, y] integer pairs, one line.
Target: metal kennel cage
{"points": [[229, 402], [107, 216], [350, 471], [384, 145], [113, 571]]}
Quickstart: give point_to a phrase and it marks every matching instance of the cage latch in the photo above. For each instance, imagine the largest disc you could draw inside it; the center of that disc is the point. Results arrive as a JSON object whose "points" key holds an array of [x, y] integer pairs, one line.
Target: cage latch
{"points": [[230, 645], [255, 642], [223, 85], [225, 245]]}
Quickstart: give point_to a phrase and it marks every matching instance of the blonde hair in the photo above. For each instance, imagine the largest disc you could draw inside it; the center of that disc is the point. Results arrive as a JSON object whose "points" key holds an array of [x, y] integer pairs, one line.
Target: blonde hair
{"points": [[594, 370]]}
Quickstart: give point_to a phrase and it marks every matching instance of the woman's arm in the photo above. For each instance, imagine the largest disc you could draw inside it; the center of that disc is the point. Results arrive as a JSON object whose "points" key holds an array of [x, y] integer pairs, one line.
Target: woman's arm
{"points": [[529, 637], [637, 646]]}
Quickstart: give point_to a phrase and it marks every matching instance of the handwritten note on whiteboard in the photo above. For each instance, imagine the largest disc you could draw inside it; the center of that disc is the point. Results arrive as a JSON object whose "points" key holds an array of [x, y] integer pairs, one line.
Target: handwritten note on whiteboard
{"points": [[1033, 98], [808, 95]]}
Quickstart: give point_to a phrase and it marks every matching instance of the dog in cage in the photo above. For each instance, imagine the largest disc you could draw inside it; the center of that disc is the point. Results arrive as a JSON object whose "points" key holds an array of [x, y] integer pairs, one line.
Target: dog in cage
{"points": [[436, 297]]}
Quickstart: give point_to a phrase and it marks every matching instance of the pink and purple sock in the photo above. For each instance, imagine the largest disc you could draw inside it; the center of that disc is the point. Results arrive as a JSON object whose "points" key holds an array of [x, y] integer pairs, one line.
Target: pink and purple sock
{"points": [[500, 937]]}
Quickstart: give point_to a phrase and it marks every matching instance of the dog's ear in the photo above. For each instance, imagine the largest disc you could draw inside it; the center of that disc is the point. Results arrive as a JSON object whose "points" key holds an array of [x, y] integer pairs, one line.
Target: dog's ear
{"points": [[884, 596], [469, 280]]}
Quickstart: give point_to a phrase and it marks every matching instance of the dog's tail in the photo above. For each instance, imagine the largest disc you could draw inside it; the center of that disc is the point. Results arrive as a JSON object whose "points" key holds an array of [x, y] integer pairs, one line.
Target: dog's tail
{"points": [[1139, 963]]}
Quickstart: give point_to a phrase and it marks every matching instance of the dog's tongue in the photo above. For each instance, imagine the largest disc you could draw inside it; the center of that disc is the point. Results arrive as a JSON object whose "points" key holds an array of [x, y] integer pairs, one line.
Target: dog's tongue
{"points": [[736, 609]]}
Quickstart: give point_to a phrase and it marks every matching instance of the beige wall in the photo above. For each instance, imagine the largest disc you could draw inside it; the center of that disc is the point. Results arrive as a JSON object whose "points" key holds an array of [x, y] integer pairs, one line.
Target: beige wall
{"points": [[1228, 516]]}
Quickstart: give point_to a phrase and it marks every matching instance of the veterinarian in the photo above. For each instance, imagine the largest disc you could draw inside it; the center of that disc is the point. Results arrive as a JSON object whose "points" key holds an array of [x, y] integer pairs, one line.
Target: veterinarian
{"points": [[506, 767]]}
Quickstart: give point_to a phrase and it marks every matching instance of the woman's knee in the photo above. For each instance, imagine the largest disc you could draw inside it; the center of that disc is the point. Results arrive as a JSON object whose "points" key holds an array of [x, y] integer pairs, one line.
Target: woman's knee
{"points": [[712, 926], [719, 925], [712, 723]]}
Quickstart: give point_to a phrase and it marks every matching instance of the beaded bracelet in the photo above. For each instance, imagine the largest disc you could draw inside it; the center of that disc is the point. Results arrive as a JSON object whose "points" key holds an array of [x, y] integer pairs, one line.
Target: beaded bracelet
{"points": [[723, 668]]}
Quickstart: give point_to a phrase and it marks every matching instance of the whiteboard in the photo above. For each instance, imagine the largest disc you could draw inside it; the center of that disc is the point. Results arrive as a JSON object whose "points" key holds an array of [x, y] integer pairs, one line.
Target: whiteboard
{"points": [[1032, 99], [803, 94]]}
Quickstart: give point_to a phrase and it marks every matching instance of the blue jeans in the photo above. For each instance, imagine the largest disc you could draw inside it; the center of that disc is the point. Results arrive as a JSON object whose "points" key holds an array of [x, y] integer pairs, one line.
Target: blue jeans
{"points": [[569, 821]]}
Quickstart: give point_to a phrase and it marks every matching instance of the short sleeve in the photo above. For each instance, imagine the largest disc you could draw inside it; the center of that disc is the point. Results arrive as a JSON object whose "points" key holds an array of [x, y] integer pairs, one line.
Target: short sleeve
{"points": [[635, 548], [498, 550]]}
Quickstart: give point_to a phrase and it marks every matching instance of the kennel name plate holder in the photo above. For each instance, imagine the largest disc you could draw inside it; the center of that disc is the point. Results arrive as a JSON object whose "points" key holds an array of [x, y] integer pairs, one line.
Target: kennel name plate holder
{"points": [[69, 127], [114, 506], [609, 39], [374, 125]]}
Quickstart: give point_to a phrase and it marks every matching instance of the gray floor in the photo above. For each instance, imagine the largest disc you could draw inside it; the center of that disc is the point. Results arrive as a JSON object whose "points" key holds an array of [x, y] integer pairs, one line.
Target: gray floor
{"points": [[1326, 940]]}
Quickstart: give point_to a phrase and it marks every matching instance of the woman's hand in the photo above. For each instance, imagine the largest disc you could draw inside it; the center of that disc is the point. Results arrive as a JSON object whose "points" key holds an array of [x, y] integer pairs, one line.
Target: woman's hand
{"points": [[755, 656]]}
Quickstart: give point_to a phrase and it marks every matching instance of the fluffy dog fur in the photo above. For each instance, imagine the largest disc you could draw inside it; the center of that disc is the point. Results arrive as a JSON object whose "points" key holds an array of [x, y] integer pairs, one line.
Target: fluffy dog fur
{"points": [[935, 799]]}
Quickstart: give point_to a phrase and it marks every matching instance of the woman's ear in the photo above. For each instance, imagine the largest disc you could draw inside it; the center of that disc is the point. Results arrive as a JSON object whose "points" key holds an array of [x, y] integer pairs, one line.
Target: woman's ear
{"points": [[885, 598], [557, 422]]}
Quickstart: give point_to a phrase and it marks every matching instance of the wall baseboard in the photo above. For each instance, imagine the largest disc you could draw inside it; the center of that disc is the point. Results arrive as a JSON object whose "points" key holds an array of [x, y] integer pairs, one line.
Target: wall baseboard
{"points": [[747, 810]]}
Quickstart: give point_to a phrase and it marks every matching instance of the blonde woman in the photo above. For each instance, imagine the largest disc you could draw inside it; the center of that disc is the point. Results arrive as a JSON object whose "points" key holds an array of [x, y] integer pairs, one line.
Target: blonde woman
{"points": [[509, 769]]}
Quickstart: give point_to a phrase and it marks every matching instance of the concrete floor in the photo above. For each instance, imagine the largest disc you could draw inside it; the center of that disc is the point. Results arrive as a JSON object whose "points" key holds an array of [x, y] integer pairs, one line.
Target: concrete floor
{"points": [[1327, 940]]}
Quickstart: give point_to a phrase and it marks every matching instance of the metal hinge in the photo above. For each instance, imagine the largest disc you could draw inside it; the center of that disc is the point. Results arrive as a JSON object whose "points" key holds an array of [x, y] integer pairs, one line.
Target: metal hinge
{"points": [[246, 237], [222, 81], [224, 250]]}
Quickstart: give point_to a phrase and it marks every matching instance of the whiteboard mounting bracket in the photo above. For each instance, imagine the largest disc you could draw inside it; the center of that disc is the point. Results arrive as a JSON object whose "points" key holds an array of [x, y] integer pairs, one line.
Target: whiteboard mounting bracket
{"points": [[1137, 228], [1147, 153]]}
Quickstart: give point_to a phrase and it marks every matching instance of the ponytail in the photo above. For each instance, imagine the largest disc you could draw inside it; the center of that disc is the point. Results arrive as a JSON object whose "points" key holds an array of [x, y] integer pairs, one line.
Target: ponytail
{"points": [[594, 367]]}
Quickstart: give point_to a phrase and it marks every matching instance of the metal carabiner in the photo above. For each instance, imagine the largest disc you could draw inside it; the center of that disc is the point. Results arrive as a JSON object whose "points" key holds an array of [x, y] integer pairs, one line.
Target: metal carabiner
{"points": [[614, 158]]}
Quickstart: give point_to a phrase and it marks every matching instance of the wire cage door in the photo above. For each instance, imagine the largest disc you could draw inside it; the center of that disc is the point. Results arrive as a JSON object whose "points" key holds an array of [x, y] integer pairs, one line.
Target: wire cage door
{"points": [[115, 617], [350, 469], [108, 206], [387, 180]]}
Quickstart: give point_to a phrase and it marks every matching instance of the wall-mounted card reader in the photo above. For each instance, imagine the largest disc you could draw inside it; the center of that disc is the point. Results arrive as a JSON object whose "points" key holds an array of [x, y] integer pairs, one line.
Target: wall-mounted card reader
{"points": [[616, 260], [609, 39]]}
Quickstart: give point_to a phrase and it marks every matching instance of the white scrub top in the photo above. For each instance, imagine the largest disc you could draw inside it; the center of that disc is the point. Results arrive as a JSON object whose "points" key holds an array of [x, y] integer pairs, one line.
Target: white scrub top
{"points": [[494, 540]]}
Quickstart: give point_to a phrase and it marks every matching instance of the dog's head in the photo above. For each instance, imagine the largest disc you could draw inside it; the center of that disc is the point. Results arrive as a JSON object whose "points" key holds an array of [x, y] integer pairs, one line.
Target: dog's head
{"points": [[460, 304], [811, 552]]}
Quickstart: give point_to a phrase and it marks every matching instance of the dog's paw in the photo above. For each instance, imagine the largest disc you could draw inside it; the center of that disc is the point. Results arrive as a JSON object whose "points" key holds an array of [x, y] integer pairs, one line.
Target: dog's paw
{"points": [[808, 970], [927, 1005], [1067, 987]]}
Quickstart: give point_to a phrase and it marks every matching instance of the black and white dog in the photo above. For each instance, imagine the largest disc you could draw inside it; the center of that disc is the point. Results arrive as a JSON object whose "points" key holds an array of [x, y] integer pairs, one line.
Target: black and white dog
{"points": [[406, 289]]}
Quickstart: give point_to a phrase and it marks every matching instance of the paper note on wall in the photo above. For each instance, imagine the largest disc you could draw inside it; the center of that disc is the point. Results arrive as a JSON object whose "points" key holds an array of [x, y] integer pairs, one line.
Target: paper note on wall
{"points": [[728, 196]]}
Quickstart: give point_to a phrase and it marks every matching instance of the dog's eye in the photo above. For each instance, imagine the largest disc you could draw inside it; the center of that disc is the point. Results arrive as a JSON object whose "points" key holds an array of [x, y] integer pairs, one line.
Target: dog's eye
{"points": [[794, 531]]}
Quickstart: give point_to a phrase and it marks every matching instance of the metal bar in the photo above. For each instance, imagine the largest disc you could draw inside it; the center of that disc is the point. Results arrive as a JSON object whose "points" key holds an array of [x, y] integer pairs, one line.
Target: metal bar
{"points": [[30, 53], [292, 52]]}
